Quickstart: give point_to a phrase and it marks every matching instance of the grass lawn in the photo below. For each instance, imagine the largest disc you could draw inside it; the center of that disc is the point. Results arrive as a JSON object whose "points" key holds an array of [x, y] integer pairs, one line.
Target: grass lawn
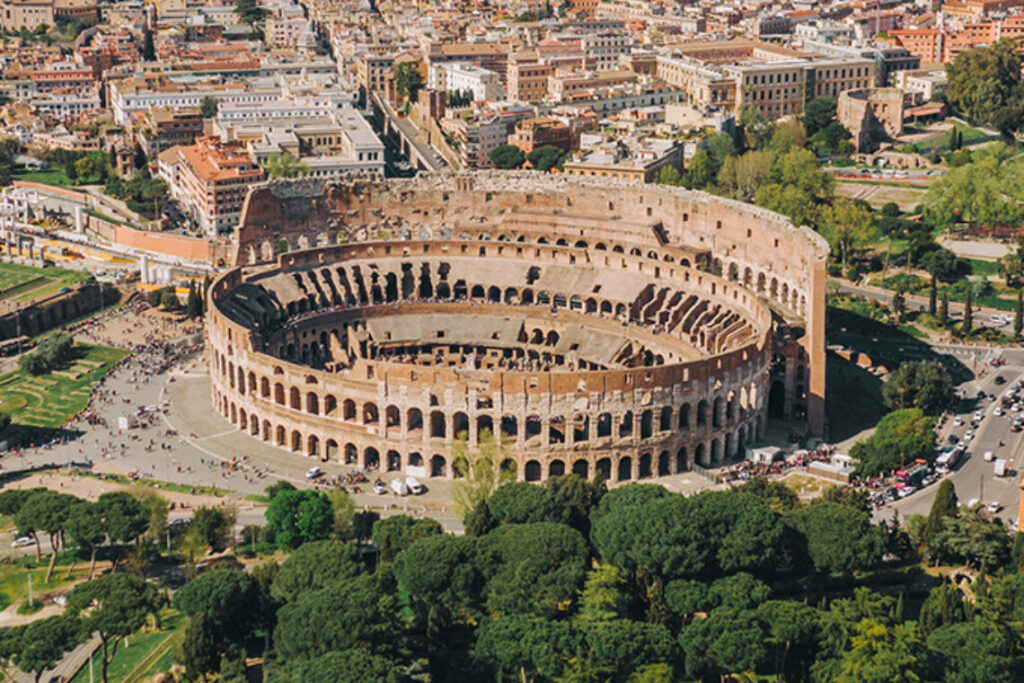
{"points": [[984, 268], [48, 401], [146, 649], [50, 176], [14, 578], [22, 284], [941, 140]]}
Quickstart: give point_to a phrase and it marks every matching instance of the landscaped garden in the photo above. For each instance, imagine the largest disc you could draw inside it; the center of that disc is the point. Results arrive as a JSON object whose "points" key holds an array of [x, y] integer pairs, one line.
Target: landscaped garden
{"points": [[49, 400]]}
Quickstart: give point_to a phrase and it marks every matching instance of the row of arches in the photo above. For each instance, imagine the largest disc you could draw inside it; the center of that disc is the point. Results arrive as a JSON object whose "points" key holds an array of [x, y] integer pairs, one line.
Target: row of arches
{"points": [[644, 465]]}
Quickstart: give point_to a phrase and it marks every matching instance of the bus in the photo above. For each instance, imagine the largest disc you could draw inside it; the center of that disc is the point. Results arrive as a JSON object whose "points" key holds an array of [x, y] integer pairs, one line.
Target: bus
{"points": [[947, 462]]}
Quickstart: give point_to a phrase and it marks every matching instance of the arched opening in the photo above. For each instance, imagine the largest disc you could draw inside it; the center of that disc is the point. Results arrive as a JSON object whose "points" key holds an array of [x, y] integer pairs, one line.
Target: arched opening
{"points": [[351, 454], [646, 424], [330, 450], [717, 412], [604, 425], [371, 458], [392, 416], [702, 415], [279, 437], [556, 468], [645, 466], [777, 399], [279, 394], [394, 461], [581, 468], [348, 410], [437, 424], [581, 427], [626, 425], [295, 399], [701, 456], [484, 426], [312, 403], [509, 428], [296, 441], [414, 420], [664, 464], [533, 426], [437, 466], [313, 446], [684, 417], [460, 425], [370, 414], [665, 423], [625, 469], [532, 470]]}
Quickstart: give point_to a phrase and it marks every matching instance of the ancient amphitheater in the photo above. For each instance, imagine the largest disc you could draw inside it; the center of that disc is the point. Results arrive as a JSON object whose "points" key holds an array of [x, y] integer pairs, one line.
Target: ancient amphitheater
{"points": [[566, 325]]}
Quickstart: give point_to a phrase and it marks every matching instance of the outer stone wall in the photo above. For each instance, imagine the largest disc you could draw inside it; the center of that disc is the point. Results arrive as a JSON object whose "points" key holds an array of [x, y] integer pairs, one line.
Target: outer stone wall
{"points": [[764, 276]]}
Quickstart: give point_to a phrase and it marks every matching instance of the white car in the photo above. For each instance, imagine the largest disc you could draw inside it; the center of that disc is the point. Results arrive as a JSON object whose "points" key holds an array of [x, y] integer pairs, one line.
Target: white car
{"points": [[379, 488], [968, 435], [998, 411], [906, 491], [994, 507], [989, 456], [978, 416], [958, 421], [313, 473], [22, 541]]}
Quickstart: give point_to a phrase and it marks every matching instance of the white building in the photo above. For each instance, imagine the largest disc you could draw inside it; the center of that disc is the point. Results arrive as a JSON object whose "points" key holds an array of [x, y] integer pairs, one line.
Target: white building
{"points": [[483, 83]]}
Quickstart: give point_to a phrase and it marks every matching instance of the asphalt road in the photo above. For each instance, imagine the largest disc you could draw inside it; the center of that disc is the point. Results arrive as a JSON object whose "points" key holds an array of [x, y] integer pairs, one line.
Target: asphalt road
{"points": [[975, 478], [982, 316]]}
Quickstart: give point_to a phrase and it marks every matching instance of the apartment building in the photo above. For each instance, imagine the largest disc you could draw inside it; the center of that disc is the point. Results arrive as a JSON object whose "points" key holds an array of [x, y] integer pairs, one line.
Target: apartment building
{"points": [[635, 159], [483, 83], [528, 79], [161, 129], [775, 80], [210, 179]]}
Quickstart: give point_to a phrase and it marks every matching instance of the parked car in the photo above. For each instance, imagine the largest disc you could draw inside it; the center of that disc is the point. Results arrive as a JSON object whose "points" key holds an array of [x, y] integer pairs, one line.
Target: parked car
{"points": [[313, 473], [415, 487], [22, 541], [994, 507]]}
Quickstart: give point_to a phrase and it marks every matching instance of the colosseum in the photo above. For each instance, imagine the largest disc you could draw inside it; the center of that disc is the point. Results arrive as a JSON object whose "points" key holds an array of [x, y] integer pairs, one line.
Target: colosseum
{"points": [[566, 325]]}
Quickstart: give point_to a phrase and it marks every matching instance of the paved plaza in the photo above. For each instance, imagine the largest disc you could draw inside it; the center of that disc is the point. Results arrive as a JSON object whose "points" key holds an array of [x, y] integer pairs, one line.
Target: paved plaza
{"points": [[183, 440]]}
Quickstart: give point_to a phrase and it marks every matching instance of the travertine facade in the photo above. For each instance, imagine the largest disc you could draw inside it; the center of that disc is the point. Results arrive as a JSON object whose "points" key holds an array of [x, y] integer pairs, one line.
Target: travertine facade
{"points": [[598, 327]]}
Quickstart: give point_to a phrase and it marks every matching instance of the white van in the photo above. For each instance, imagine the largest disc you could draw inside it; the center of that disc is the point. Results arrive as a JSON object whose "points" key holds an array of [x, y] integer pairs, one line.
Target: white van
{"points": [[399, 487], [415, 487]]}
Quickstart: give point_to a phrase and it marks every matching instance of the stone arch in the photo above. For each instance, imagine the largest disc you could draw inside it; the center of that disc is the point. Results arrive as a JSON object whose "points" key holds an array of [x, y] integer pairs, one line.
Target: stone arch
{"points": [[581, 468], [348, 410], [371, 458], [625, 469], [556, 468], [393, 461], [532, 471], [392, 416], [603, 468], [644, 468], [370, 415], [438, 466], [664, 464]]}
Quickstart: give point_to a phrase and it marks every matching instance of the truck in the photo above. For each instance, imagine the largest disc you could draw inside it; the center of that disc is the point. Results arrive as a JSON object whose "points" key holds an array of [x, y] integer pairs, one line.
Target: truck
{"points": [[947, 462], [1000, 467]]}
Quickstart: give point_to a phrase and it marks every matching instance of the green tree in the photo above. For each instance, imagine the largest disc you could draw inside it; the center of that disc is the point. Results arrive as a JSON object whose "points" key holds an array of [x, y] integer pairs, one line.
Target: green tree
{"points": [[849, 227], [314, 565], [933, 294], [47, 512], [523, 646], [733, 640], [284, 165], [943, 606], [975, 541], [531, 568], [925, 385], [604, 595], [944, 507], [86, 527], [901, 437], [201, 648], [216, 524], [968, 323], [975, 650], [840, 538], [250, 12], [983, 80], [788, 624], [43, 643], [700, 171], [344, 510], [613, 650], [355, 665], [944, 308], [545, 158], [114, 606], [297, 517], [506, 156], [668, 175], [882, 653], [819, 113], [193, 305], [394, 534], [440, 576], [226, 597], [408, 80], [209, 106], [359, 612], [279, 486]]}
